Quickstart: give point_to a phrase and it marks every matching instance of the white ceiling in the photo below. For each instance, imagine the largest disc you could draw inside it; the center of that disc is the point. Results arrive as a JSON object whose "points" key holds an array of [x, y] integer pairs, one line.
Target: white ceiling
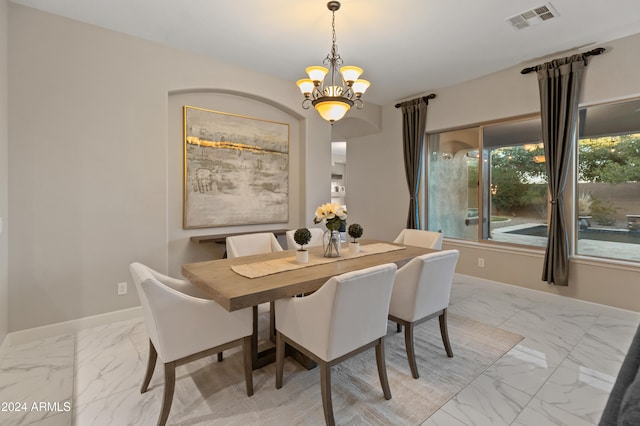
{"points": [[406, 47]]}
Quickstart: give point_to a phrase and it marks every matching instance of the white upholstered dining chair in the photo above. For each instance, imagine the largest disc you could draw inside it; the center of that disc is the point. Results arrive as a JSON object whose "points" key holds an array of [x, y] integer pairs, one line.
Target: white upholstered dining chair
{"points": [[183, 326], [250, 244], [346, 316], [316, 238], [420, 238], [421, 291]]}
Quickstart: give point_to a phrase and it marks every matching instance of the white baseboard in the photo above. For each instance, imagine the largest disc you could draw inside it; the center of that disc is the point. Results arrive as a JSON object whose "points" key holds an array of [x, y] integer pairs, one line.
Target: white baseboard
{"points": [[37, 333]]}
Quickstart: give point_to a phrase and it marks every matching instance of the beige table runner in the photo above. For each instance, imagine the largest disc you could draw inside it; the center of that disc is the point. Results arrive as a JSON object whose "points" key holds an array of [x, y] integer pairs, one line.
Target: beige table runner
{"points": [[269, 267]]}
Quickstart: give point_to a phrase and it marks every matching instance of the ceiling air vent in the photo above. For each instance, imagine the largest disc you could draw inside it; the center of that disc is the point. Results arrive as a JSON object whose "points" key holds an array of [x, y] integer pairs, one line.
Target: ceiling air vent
{"points": [[532, 17]]}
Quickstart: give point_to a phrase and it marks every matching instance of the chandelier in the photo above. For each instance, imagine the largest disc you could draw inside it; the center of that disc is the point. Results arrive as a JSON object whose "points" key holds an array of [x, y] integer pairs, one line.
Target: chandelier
{"points": [[333, 89]]}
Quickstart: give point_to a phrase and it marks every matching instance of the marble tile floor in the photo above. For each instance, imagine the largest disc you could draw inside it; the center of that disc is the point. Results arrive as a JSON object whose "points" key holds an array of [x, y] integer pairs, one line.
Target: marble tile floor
{"points": [[561, 373]]}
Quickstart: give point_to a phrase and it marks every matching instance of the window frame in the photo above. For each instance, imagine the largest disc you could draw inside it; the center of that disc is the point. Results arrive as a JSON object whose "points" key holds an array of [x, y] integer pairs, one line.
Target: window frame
{"points": [[482, 170], [575, 193]]}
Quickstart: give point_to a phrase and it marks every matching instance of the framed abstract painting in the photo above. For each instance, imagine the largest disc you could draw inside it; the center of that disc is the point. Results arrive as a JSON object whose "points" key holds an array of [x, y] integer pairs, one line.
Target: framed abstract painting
{"points": [[236, 169]]}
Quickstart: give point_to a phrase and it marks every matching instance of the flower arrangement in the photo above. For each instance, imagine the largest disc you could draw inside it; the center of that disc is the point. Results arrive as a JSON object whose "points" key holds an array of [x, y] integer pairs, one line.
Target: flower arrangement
{"points": [[333, 214], [302, 236], [355, 231]]}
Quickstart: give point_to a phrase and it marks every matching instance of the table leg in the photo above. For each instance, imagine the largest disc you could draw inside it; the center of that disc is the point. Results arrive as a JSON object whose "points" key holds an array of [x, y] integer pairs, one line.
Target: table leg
{"points": [[259, 358], [265, 357]]}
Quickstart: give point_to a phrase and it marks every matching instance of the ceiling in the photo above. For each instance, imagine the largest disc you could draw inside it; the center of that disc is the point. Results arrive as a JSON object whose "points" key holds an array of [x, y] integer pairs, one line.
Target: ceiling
{"points": [[407, 48]]}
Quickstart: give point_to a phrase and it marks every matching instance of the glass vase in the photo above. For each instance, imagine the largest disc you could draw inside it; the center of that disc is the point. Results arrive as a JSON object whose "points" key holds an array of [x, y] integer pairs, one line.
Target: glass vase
{"points": [[331, 243]]}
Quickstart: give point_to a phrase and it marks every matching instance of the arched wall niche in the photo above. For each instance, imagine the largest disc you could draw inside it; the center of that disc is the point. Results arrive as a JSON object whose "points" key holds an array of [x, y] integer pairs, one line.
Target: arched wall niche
{"points": [[294, 113], [181, 249]]}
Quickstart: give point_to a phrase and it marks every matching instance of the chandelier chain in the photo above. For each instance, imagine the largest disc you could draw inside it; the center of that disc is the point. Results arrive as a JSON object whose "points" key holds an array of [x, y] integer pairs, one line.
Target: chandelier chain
{"points": [[334, 47], [334, 60], [328, 89]]}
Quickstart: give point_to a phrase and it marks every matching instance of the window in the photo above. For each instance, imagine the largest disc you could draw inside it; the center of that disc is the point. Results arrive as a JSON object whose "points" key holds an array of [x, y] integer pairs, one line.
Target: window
{"points": [[452, 176], [503, 199], [489, 183], [608, 189], [515, 183]]}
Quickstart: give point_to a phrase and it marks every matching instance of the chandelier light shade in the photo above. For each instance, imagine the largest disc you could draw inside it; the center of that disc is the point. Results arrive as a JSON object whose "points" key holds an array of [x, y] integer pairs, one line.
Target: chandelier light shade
{"points": [[333, 89]]}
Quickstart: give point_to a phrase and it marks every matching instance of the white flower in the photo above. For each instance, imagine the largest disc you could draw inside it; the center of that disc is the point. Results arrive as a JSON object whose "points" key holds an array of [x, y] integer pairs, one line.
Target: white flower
{"points": [[330, 212], [321, 213], [340, 212]]}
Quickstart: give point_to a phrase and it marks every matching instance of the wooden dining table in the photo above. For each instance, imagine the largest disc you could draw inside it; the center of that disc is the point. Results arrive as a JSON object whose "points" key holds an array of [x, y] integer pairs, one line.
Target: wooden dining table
{"points": [[234, 291]]}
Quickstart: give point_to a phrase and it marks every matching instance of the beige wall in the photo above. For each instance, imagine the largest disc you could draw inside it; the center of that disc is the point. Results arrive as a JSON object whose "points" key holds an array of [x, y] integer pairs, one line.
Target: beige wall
{"points": [[4, 164], [377, 195], [93, 178], [609, 283], [378, 192]]}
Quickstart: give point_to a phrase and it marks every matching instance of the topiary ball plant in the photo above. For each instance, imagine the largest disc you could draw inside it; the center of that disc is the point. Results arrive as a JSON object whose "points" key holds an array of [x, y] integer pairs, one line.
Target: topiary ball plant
{"points": [[355, 231], [302, 236]]}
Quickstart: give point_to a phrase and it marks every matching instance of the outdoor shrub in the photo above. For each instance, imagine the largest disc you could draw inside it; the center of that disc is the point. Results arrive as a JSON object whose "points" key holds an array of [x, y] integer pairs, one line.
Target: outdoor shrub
{"points": [[584, 203], [602, 212]]}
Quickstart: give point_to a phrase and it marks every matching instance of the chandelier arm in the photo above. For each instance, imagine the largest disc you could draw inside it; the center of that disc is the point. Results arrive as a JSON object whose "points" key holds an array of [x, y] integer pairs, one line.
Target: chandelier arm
{"points": [[317, 92], [349, 93], [306, 103], [358, 103]]}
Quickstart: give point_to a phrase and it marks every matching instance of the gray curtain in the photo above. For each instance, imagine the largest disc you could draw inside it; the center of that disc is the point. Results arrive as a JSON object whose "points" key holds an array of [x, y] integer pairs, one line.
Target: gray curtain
{"points": [[559, 82], [414, 121]]}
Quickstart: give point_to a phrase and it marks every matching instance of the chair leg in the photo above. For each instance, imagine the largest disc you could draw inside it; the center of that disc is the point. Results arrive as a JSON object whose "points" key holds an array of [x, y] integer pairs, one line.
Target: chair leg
{"points": [[169, 386], [151, 365], [279, 359], [325, 387], [220, 358], [382, 369], [411, 354], [398, 327], [248, 366], [445, 333]]}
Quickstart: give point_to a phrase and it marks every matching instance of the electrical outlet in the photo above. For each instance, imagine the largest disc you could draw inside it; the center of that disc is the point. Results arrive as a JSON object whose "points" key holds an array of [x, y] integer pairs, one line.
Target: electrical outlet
{"points": [[122, 288], [481, 262]]}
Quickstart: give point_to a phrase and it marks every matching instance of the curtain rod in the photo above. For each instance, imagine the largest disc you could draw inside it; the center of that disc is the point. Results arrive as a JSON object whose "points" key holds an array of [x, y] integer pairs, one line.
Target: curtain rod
{"points": [[593, 52], [425, 98]]}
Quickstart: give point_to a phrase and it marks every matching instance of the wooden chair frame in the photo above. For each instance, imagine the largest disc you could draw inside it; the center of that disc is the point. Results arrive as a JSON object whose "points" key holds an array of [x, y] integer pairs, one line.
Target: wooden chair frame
{"points": [[408, 336], [170, 371], [325, 369]]}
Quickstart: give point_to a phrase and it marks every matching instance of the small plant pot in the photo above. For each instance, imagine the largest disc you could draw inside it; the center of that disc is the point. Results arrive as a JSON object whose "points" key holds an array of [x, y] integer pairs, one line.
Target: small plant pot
{"points": [[354, 248], [302, 256]]}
